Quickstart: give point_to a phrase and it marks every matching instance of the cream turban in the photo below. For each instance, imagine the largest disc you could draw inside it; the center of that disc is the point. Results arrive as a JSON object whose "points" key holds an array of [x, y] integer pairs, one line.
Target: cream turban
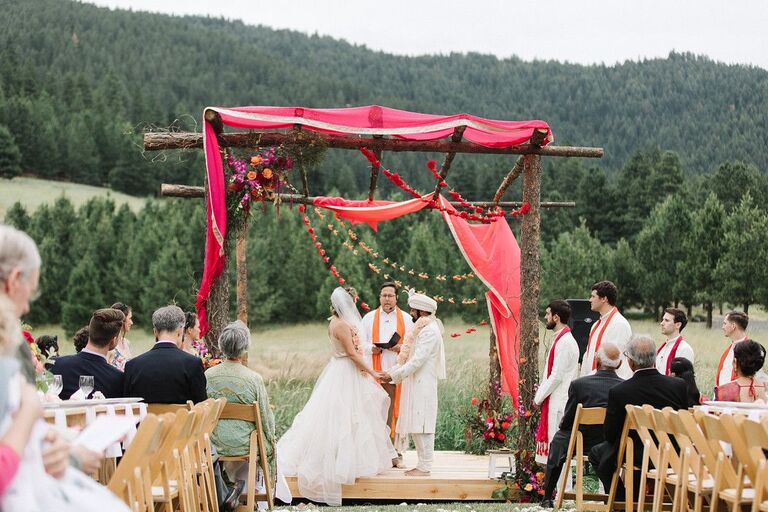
{"points": [[421, 302]]}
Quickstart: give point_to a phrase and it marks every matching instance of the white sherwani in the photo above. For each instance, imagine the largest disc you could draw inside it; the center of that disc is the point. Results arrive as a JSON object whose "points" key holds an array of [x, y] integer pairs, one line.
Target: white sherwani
{"points": [[665, 351], [565, 368], [617, 332], [387, 327], [418, 401]]}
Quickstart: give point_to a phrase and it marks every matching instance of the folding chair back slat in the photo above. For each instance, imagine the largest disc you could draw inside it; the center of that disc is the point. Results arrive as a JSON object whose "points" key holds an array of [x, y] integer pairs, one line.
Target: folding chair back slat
{"points": [[252, 413], [586, 416]]}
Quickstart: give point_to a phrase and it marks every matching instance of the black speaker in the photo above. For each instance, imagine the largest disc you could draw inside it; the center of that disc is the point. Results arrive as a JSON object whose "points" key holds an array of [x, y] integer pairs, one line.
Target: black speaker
{"points": [[582, 320]]}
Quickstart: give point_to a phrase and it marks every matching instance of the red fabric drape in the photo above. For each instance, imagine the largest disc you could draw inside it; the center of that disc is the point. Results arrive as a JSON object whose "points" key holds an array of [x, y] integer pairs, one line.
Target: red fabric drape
{"points": [[371, 120], [492, 252], [371, 212]]}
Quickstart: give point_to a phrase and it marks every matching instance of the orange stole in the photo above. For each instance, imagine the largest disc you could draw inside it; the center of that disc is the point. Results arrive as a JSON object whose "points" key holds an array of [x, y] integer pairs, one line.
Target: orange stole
{"points": [[376, 358]]}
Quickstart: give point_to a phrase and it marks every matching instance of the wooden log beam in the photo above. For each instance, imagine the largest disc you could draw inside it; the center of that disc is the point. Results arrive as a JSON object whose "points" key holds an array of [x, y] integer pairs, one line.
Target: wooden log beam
{"points": [[189, 191], [529, 303], [154, 141], [508, 179], [458, 133]]}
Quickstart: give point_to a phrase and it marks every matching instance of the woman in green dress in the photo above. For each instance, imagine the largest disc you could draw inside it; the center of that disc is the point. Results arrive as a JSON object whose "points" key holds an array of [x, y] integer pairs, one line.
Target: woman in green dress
{"points": [[238, 384]]}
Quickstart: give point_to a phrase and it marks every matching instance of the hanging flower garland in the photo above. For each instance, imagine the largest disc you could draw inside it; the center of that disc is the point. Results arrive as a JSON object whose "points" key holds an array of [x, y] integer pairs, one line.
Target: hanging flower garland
{"points": [[486, 217], [324, 255]]}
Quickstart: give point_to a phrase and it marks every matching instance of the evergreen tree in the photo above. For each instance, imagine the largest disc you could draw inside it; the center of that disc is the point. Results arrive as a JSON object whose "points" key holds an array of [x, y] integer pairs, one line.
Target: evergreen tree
{"points": [[18, 217], [627, 275], [741, 270], [83, 294], [572, 264], [10, 156], [659, 250], [732, 180], [703, 247]]}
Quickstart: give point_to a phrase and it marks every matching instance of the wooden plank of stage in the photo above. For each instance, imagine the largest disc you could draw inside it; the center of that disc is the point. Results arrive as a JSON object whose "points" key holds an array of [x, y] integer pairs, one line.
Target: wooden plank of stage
{"points": [[455, 476]]}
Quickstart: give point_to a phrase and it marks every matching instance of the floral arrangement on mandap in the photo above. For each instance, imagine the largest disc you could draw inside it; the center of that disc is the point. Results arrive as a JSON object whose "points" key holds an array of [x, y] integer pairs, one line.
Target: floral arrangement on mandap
{"points": [[204, 354], [257, 178]]}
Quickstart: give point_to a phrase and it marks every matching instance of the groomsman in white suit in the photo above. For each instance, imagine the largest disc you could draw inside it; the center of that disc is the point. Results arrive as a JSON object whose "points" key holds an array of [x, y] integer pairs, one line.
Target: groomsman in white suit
{"points": [[561, 366], [379, 326], [672, 323], [611, 326], [421, 363]]}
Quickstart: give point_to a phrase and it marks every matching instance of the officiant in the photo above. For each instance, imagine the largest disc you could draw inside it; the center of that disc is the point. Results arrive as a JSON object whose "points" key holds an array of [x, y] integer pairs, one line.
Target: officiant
{"points": [[384, 330]]}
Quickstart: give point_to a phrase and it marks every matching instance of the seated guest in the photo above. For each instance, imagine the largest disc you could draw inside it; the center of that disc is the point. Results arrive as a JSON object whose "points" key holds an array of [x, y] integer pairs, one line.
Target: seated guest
{"points": [[682, 368], [80, 339], [103, 330], [122, 352], [238, 384], [646, 386], [748, 358], [166, 374], [191, 333], [589, 391]]}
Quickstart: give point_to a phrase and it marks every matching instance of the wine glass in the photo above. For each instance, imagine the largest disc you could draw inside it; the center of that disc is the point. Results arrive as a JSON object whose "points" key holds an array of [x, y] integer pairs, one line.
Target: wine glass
{"points": [[55, 387], [86, 385]]}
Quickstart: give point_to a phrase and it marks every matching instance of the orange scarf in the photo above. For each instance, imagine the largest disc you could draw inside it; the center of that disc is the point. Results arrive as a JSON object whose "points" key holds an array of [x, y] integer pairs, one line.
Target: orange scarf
{"points": [[376, 359], [600, 336]]}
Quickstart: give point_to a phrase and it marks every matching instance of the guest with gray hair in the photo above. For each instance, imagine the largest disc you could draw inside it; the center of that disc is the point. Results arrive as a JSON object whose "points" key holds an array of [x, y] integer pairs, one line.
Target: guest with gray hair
{"points": [[166, 374], [237, 383], [19, 276], [589, 391], [646, 386]]}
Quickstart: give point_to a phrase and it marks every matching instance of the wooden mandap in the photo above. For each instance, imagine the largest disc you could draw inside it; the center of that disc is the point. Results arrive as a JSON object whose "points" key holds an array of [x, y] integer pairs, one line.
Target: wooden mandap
{"points": [[379, 130]]}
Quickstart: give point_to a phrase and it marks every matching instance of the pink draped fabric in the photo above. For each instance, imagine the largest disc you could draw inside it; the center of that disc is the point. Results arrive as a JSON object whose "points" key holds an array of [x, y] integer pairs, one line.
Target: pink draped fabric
{"points": [[492, 252], [371, 212], [366, 120]]}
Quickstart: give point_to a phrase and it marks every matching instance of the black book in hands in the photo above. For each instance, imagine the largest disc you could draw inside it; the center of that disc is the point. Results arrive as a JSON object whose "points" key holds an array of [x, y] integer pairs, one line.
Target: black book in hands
{"points": [[391, 343]]}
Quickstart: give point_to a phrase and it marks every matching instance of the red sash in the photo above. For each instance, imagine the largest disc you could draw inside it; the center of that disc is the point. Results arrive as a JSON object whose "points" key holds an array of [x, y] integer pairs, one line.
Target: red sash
{"points": [[672, 353], [542, 434], [720, 366], [599, 336]]}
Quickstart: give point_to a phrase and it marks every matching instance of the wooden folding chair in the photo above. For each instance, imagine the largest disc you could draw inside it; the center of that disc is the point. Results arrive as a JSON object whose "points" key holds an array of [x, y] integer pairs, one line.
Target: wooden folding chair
{"points": [[584, 416], [166, 408], [132, 479], [204, 449], [760, 504], [252, 414], [165, 467], [694, 449], [729, 485]]}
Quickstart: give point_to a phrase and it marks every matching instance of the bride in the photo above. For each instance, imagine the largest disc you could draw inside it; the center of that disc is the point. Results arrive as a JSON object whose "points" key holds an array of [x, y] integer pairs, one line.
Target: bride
{"points": [[341, 434]]}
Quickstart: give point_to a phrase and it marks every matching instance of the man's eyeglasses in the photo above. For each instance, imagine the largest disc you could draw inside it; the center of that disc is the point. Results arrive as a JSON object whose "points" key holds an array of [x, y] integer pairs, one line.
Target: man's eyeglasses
{"points": [[387, 296]]}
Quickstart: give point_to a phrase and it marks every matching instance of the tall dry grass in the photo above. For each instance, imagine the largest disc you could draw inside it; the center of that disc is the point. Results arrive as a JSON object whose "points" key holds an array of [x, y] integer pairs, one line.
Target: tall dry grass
{"points": [[291, 357]]}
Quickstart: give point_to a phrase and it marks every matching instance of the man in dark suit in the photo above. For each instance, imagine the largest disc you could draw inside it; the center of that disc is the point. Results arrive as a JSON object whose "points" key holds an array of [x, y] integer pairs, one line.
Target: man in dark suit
{"points": [[166, 374], [589, 391], [103, 331], [647, 386]]}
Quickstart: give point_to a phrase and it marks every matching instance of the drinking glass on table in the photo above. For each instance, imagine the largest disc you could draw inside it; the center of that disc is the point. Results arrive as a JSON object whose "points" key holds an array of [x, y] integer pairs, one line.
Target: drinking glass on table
{"points": [[86, 385], [55, 387]]}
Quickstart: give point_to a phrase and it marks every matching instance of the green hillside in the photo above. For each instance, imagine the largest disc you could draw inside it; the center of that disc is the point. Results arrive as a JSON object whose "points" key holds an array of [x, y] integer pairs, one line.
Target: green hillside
{"points": [[78, 82], [31, 193]]}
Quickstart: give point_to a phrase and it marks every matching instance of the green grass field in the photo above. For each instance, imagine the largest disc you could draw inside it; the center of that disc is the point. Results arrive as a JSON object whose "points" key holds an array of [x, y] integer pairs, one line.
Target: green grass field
{"points": [[32, 192]]}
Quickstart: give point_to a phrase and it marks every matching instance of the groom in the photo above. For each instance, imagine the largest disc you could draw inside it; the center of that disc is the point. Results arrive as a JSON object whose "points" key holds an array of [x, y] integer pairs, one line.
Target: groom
{"points": [[422, 362]]}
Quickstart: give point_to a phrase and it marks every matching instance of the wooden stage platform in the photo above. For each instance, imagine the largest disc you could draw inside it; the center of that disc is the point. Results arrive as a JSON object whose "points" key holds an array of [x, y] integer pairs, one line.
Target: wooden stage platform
{"points": [[455, 476]]}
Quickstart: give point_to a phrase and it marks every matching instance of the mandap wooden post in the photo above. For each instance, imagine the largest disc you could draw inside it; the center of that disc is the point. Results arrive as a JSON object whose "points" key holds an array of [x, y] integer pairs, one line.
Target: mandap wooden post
{"points": [[242, 273], [529, 304]]}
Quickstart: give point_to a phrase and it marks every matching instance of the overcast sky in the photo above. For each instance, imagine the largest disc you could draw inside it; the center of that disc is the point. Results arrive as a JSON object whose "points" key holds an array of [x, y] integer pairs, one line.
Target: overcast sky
{"points": [[588, 31]]}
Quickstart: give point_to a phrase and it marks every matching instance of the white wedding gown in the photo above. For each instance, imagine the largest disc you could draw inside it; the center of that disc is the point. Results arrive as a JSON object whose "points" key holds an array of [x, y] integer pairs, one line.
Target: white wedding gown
{"points": [[340, 435]]}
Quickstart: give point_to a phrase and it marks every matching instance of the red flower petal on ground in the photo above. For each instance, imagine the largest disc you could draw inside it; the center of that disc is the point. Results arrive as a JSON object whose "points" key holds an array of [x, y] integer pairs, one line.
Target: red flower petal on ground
{"points": [[473, 401]]}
